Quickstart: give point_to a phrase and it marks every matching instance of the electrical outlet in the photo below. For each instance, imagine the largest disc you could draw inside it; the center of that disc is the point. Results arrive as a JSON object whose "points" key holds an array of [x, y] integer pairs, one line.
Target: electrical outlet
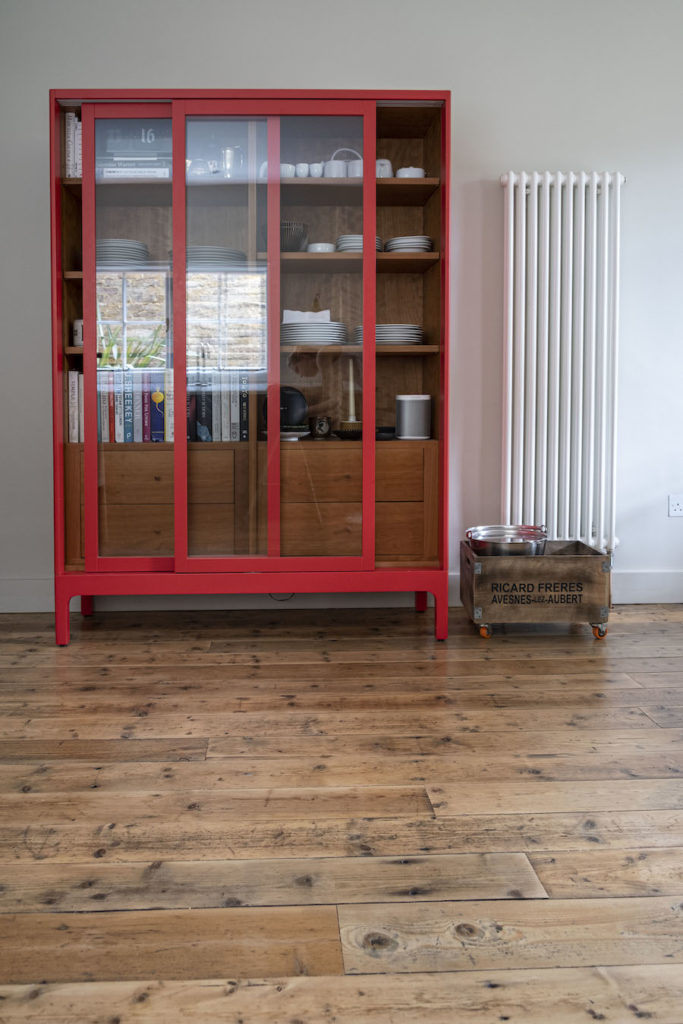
{"points": [[676, 505]]}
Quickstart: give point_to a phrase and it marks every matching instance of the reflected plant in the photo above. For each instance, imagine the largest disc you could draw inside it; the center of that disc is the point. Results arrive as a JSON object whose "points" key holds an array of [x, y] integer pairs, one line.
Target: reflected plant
{"points": [[140, 352]]}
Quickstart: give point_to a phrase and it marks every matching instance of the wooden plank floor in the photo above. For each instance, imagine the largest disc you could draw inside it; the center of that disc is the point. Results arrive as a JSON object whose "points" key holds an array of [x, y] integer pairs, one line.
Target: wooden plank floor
{"points": [[329, 818]]}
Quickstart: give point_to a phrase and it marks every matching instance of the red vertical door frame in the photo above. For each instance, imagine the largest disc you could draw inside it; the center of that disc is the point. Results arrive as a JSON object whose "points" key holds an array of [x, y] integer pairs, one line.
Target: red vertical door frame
{"points": [[369, 317], [445, 332], [58, 367], [272, 111], [94, 562]]}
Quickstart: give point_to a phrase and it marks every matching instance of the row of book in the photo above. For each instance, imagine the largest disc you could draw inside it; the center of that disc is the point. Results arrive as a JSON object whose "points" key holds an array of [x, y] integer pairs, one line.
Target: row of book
{"points": [[137, 405], [73, 149]]}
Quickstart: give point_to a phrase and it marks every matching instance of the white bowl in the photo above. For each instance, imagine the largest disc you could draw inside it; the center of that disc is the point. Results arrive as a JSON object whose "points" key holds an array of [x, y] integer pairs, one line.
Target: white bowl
{"points": [[321, 247], [410, 172]]}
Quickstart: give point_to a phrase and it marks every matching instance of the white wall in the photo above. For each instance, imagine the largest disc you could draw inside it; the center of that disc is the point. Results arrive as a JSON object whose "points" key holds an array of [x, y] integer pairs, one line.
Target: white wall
{"points": [[595, 85]]}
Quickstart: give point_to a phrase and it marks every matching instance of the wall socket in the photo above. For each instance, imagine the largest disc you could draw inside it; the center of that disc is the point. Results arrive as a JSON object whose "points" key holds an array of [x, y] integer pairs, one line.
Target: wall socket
{"points": [[676, 505]]}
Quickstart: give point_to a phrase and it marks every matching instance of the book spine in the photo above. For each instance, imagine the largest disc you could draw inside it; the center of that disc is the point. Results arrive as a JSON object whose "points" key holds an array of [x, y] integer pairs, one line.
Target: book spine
{"points": [[146, 410], [244, 405], [118, 405], [110, 405], [81, 410], [128, 406], [72, 382], [103, 405], [69, 139], [137, 406], [234, 406], [157, 406], [169, 405], [225, 405], [216, 431], [78, 149], [191, 405], [204, 411]]}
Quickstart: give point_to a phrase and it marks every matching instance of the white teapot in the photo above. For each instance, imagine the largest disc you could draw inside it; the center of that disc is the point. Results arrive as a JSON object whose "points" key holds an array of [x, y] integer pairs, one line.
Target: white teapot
{"points": [[344, 168]]}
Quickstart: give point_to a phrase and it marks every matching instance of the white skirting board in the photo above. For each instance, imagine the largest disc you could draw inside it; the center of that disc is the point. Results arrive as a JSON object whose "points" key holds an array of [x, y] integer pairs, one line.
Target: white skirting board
{"points": [[36, 595]]}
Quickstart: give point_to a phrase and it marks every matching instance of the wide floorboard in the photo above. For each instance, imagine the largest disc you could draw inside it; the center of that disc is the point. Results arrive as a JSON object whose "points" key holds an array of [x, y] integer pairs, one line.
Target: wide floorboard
{"points": [[330, 818]]}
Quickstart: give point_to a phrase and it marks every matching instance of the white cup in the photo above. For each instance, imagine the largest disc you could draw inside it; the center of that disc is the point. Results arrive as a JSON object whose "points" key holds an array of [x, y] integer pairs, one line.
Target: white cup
{"points": [[383, 169], [287, 170], [335, 169], [77, 335], [355, 168], [316, 170], [302, 170]]}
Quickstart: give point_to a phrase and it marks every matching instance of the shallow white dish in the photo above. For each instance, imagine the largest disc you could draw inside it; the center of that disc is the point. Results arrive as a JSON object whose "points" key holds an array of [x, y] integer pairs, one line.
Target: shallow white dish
{"points": [[321, 247]]}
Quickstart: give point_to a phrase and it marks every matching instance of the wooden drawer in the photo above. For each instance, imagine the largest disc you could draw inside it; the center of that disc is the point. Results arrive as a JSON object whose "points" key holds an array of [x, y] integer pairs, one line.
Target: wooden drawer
{"points": [[309, 529], [211, 530], [322, 472], [399, 529], [130, 477], [210, 476], [132, 530], [399, 471]]}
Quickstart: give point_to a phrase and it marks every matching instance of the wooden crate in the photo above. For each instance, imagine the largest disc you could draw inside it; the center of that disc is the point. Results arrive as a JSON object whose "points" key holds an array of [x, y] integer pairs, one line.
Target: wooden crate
{"points": [[569, 583]]}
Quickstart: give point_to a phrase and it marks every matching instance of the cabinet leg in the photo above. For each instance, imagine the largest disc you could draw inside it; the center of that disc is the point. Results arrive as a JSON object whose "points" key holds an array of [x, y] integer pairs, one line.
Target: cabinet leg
{"points": [[87, 605], [441, 616], [62, 634], [420, 600]]}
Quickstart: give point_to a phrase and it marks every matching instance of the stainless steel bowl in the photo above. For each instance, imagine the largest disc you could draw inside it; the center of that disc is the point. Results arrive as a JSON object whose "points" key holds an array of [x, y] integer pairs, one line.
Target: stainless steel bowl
{"points": [[507, 540]]}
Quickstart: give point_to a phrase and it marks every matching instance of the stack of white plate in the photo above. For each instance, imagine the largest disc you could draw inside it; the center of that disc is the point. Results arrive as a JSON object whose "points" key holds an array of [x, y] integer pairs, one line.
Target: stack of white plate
{"points": [[316, 334], [115, 252], [410, 243], [214, 256], [392, 334], [354, 243]]}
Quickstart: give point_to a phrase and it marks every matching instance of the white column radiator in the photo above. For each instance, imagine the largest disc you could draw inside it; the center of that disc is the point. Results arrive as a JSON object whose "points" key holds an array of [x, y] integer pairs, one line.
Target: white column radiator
{"points": [[560, 363]]}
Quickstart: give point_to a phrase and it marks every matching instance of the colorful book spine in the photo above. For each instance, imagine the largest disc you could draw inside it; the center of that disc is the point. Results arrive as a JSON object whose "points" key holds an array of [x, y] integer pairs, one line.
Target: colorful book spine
{"points": [[216, 406], [234, 406], [103, 406], [72, 383], [111, 405], [128, 406], [191, 405], [204, 407], [244, 405], [118, 405], [169, 406], [225, 404], [137, 406], [156, 406], [81, 410], [146, 407]]}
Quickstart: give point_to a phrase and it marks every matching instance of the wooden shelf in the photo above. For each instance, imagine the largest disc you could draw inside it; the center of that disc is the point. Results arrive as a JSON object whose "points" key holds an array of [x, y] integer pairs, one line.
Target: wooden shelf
{"points": [[321, 191], [74, 350], [405, 191], [380, 350], [348, 262], [73, 275]]}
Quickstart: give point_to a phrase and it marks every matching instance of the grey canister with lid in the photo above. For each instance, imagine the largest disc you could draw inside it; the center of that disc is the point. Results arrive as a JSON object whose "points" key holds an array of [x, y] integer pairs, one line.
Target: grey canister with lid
{"points": [[413, 417]]}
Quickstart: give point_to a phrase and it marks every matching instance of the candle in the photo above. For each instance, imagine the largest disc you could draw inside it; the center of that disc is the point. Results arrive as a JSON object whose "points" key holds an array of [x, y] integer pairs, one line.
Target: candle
{"points": [[352, 394]]}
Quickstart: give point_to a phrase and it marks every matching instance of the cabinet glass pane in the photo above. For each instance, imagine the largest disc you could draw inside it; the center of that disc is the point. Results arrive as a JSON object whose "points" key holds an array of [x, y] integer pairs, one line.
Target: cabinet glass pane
{"points": [[321, 292], [226, 336], [133, 174]]}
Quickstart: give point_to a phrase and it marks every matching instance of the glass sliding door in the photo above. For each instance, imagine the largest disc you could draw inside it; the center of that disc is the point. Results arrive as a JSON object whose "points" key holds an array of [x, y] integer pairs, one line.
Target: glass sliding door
{"points": [[129, 349]]}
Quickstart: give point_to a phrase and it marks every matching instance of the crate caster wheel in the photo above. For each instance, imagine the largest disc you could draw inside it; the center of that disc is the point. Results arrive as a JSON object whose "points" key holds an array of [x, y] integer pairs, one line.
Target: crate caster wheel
{"points": [[599, 632], [485, 632]]}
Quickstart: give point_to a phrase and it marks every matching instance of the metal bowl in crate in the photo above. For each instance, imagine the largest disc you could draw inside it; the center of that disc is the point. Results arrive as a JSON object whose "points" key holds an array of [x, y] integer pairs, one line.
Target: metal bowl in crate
{"points": [[507, 540]]}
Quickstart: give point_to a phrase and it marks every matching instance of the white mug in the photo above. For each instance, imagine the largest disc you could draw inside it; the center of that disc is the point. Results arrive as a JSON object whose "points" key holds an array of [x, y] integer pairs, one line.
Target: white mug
{"points": [[355, 168], [287, 170], [302, 170], [316, 170], [78, 334], [335, 169], [384, 169]]}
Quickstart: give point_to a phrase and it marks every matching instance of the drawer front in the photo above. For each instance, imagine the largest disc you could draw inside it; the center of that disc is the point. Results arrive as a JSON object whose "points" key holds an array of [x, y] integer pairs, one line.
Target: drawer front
{"points": [[326, 474], [399, 529], [399, 472], [210, 476], [308, 529], [211, 530], [129, 477], [130, 530]]}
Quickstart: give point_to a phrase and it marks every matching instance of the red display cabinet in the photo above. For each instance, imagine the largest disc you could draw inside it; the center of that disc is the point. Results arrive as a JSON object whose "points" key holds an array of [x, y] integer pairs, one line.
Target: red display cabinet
{"points": [[246, 287]]}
